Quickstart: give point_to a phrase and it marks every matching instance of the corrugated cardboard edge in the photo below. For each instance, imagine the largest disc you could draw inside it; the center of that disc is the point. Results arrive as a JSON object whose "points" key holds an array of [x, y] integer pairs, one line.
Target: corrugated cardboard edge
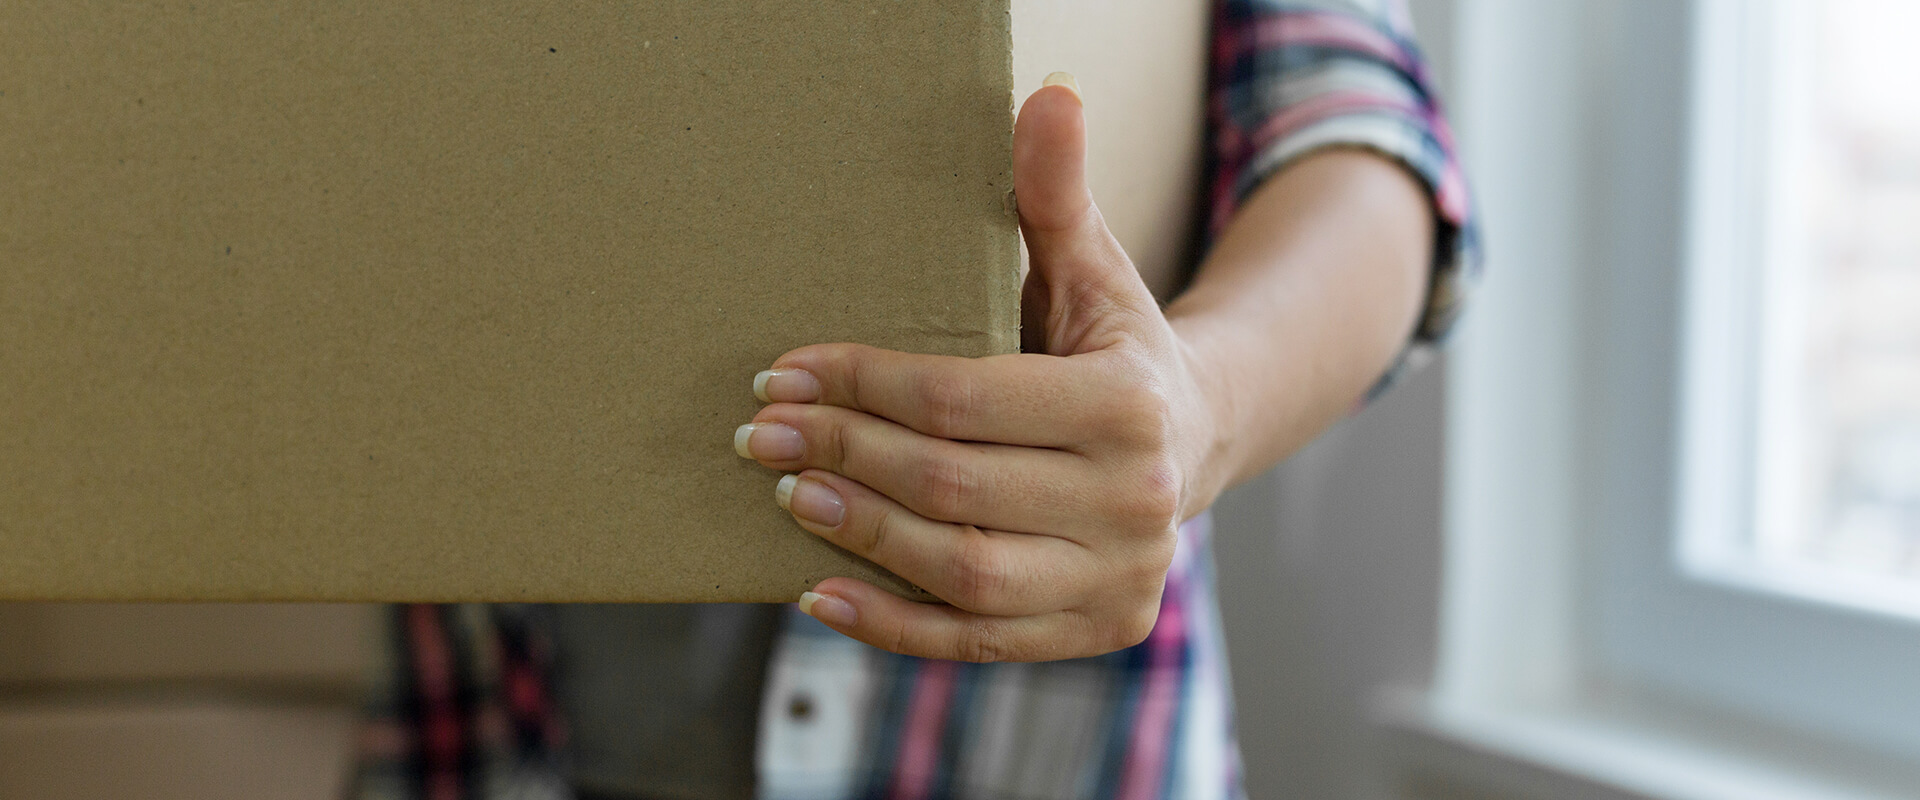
{"points": [[1004, 291], [1005, 302]]}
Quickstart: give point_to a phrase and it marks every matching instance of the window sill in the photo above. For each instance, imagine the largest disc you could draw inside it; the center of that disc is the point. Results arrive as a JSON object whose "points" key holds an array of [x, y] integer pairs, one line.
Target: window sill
{"points": [[1440, 749]]}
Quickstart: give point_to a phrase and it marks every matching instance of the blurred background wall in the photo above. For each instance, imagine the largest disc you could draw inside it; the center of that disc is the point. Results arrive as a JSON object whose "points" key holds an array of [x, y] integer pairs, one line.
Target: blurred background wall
{"points": [[1330, 572]]}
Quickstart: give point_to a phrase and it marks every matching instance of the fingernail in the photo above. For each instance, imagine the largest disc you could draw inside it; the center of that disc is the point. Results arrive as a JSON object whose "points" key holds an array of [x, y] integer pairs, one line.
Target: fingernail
{"points": [[1064, 79], [812, 501], [786, 386], [829, 609], [768, 441]]}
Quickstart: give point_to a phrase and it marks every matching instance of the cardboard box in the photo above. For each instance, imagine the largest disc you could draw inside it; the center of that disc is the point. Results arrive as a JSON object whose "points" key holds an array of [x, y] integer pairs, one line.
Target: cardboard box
{"points": [[191, 748], [405, 301], [317, 649]]}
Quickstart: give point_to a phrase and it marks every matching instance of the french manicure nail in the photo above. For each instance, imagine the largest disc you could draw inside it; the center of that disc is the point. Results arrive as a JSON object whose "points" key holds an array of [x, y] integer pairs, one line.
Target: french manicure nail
{"points": [[783, 492], [769, 441], [786, 386], [814, 502], [829, 609], [1064, 79]]}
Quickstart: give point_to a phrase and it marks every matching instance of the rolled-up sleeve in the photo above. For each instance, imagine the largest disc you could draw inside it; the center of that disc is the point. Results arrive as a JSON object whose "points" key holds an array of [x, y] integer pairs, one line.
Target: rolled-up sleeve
{"points": [[1290, 78]]}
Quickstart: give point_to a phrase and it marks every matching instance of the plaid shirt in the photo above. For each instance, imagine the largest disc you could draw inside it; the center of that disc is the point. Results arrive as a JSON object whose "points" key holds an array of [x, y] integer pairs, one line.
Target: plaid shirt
{"points": [[465, 711]]}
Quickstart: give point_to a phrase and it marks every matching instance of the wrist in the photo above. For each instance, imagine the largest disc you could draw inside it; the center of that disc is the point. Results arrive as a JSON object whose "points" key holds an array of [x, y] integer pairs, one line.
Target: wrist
{"points": [[1213, 451]]}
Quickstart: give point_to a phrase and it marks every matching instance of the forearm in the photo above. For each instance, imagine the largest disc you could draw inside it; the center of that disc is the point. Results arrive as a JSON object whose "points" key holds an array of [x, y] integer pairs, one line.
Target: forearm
{"points": [[1302, 304]]}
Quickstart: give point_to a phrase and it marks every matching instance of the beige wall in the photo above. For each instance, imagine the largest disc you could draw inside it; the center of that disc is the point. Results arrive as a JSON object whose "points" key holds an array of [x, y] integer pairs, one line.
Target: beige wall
{"points": [[104, 701]]}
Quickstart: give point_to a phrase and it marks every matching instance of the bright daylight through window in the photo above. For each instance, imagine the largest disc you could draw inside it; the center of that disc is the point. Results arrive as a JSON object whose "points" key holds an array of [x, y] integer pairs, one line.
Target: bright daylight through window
{"points": [[1837, 423]]}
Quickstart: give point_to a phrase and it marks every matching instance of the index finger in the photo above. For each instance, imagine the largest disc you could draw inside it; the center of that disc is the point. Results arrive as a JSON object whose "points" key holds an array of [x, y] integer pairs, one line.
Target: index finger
{"points": [[929, 630], [1023, 399]]}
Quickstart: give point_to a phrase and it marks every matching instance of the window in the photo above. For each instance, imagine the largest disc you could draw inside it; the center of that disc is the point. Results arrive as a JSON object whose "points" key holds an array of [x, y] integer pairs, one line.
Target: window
{"points": [[1839, 418], [1784, 579], [1806, 295], [1683, 476]]}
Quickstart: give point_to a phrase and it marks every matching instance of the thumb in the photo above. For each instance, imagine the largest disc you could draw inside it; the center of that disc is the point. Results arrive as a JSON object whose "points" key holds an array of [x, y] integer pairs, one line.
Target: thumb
{"points": [[1080, 276]]}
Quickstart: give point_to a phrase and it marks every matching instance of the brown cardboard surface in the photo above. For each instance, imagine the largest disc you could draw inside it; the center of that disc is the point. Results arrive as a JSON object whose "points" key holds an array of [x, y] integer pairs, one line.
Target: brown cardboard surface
{"points": [[403, 301], [378, 300], [193, 748], [316, 647]]}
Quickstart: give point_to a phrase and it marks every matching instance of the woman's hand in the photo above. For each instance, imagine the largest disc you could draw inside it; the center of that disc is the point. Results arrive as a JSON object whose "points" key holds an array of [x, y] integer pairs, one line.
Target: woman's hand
{"points": [[1038, 493]]}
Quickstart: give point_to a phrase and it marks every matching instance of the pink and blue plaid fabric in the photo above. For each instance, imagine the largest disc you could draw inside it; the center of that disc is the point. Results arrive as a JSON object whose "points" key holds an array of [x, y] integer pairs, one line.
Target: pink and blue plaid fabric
{"points": [[466, 713]]}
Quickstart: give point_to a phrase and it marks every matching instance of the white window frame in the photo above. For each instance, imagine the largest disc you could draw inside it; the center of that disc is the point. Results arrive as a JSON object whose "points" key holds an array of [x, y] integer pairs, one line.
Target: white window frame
{"points": [[1741, 284], [1685, 602], [1589, 380]]}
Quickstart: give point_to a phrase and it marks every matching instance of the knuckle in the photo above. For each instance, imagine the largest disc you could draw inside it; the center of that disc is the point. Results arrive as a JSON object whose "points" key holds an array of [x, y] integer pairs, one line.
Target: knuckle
{"points": [[1152, 495], [1134, 628], [947, 403], [944, 487], [897, 637], [1141, 576], [978, 574], [839, 441], [832, 353], [982, 643], [1140, 413], [835, 359], [851, 364], [1148, 576], [869, 540]]}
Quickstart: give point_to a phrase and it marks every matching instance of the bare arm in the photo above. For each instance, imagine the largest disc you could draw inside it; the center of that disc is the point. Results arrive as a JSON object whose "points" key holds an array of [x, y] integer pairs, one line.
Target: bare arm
{"points": [[1301, 305]]}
